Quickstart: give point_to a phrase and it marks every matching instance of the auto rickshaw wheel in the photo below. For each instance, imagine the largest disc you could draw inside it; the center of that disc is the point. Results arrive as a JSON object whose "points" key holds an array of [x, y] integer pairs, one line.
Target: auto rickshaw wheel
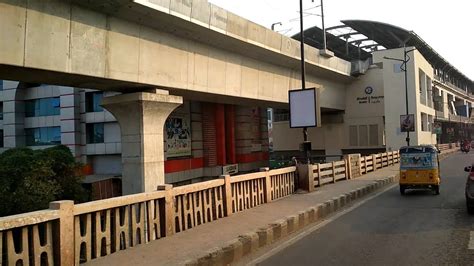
{"points": [[436, 189], [402, 189]]}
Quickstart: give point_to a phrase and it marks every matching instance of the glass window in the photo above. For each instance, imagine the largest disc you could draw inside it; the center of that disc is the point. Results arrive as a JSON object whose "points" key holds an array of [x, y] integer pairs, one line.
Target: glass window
{"points": [[93, 100], [43, 136], [95, 133], [424, 122], [1, 111], [42, 107], [1, 138]]}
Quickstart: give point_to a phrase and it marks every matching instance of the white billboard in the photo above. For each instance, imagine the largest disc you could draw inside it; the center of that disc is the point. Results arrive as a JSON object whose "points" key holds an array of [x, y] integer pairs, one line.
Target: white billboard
{"points": [[303, 108]]}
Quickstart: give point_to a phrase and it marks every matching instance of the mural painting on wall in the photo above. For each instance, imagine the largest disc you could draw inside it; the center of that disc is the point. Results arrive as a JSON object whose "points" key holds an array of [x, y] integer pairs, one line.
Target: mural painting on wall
{"points": [[178, 136]]}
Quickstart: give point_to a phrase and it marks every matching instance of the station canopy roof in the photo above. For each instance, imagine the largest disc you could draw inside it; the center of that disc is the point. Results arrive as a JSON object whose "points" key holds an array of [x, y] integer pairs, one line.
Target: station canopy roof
{"points": [[357, 39]]}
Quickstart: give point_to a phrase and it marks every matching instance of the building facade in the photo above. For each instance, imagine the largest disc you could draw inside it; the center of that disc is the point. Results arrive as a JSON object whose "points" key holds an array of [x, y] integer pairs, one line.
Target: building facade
{"points": [[439, 96], [202, 140]]}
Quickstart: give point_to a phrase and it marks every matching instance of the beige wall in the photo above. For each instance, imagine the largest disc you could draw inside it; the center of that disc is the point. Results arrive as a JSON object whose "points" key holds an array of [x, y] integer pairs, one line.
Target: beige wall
{"points": [[327, 137], [420, 63], [365, 108], [394, 90]]}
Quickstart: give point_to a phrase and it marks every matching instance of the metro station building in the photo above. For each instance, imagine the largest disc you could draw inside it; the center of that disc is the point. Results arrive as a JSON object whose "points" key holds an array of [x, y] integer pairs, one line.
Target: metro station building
{"points": [[439, 96], [207, 77]]}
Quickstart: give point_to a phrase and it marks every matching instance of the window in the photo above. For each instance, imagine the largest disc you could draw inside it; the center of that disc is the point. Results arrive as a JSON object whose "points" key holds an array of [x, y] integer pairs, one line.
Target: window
{"points": [[95, 133], [1, 138], [1, 85], [43, 136], [422, 86], [42, 107], [93, 100], [430, 123], [1, 111], [424, 122], [429, 91]]}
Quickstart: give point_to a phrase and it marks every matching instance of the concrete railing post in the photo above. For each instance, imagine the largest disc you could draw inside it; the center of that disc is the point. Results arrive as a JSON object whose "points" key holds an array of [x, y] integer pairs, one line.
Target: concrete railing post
{"points": [[268, 184], [319, 174], [227, 195], [374, 162], [305, 177], [333, 172], [64, 232], [348, 160], [167, 210]]}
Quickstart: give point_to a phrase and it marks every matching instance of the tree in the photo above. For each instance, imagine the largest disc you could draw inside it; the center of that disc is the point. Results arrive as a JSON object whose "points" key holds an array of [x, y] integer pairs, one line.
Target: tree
{"points": [[30, 179]]}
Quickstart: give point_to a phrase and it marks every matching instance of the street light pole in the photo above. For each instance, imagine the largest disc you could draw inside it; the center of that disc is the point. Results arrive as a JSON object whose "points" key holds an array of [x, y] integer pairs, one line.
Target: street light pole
{"points": [[303, 81], [406, 88]]}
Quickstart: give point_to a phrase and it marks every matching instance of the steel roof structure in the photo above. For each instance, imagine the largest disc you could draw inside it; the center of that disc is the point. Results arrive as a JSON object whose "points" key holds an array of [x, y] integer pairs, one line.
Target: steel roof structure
{"points": [[361, 37]]}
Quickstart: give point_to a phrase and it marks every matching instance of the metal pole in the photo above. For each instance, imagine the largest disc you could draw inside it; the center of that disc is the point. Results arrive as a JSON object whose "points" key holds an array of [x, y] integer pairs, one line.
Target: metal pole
{"points": [[303, 69], [303, 81], [406, 89], [324, 28]]}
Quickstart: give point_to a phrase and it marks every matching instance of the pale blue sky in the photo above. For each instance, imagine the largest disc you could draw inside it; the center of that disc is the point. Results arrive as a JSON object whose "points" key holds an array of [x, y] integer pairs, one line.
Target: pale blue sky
{"points": [[447, 26]]}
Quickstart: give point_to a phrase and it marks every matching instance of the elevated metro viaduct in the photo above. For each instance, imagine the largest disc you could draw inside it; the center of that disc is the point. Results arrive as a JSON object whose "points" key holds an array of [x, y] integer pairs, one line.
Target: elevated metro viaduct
{"points": [[159, 54]]}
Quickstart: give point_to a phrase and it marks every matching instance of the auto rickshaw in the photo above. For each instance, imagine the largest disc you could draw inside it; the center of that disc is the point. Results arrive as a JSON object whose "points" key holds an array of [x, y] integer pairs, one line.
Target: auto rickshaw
{"points": [[419, 168]]}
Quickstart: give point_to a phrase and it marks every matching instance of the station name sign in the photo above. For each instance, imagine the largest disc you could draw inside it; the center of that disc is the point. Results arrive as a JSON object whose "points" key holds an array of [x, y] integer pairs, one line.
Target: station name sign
{"points": [[369, 98]]}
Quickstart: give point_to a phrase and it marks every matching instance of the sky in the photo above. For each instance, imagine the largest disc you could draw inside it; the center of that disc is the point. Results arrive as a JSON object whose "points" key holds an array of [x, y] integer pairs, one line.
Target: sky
{"points": [[447, 26]]}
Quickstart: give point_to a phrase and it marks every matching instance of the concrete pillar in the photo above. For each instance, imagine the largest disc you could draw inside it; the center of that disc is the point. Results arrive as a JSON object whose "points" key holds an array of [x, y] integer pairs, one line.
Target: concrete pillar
{"points": [[13, 115], [142, 116]]}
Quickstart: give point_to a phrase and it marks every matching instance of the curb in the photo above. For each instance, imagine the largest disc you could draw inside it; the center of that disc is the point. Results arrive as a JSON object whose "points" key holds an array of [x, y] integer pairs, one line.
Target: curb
{"points": [[248, 243]]}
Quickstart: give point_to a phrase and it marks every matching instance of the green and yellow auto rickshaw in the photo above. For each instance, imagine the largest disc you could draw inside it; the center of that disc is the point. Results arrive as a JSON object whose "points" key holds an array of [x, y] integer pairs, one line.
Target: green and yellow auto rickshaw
{"points": [[419, 168]]}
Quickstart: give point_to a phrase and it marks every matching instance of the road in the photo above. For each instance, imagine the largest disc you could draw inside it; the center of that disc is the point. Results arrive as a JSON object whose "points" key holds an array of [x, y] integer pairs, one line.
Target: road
{"points": [[417, 229]]}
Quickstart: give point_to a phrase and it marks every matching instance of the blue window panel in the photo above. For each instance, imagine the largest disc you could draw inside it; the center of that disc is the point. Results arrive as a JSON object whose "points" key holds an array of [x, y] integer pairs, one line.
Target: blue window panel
{"points": [[54, 135], [43, 136], [55, 106], [97, 100], [42, 107], [93, 100], [95, 133]]}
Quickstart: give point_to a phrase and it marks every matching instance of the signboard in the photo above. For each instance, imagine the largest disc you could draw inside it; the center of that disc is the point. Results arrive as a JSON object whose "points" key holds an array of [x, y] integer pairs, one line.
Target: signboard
{"points": [[303, 108], [230, 169], [369, 98], [407, 123], [437, 129], [178, 136]]}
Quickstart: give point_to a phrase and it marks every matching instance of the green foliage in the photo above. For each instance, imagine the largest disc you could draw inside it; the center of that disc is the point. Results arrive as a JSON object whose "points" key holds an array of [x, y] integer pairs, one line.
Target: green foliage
{"points": [[30, 179]]}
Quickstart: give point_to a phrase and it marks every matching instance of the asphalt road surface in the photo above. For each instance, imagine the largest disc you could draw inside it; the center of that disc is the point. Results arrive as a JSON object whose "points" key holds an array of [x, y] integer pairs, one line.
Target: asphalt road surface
{"points": [[419, 228]]}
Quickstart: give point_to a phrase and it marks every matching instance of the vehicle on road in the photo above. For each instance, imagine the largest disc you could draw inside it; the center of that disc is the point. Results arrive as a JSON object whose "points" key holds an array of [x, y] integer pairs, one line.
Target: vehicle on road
{"points": [[470, 189], [466, 146], [419, 168]]}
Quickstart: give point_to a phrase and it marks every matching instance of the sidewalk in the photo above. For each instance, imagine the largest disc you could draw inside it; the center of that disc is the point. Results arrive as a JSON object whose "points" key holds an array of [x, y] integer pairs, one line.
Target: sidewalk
{"points": [[190, 245]]}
